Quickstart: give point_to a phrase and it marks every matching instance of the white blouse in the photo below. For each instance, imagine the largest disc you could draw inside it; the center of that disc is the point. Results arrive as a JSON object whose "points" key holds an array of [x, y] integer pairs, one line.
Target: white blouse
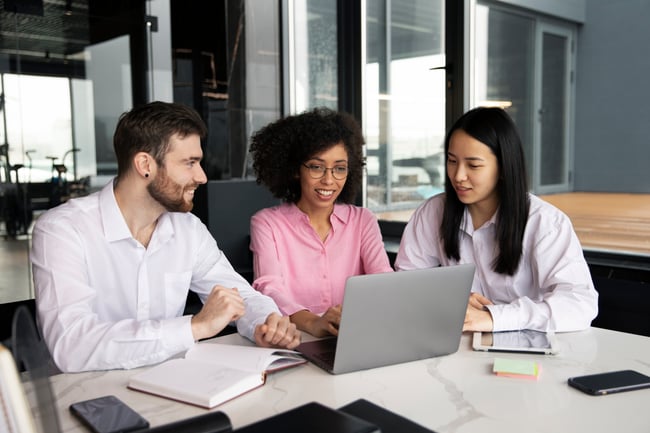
{"points": [[551, 290]]}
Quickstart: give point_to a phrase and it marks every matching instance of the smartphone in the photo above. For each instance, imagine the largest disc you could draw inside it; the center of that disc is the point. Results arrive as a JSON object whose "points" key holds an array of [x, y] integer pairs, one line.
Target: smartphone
{"points": [[610, 382], [108, 414]]}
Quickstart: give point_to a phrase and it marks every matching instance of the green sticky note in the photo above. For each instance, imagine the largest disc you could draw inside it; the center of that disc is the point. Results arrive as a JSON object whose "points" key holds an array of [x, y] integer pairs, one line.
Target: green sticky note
{"points": [[515, 366]]}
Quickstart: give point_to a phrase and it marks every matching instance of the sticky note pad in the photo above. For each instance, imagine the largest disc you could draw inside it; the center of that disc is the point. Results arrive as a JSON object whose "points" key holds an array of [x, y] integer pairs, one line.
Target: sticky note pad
{"points": [[516, 368]]}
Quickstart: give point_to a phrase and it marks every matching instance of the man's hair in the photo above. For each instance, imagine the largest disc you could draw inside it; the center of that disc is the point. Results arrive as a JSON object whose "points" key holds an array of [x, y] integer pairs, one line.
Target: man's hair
{"points": [[149, 128]]}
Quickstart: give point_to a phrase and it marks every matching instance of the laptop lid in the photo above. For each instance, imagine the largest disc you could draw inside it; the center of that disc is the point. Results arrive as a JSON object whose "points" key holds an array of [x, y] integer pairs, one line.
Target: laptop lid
{"points": [[398, 317]]}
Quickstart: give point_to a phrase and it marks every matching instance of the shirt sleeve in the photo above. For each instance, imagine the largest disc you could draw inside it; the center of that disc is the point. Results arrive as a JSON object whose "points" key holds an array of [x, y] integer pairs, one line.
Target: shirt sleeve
{"points": [[77, 339], [568, 301], [373, 253], [215, 269], [419, 246], [269, 278]]}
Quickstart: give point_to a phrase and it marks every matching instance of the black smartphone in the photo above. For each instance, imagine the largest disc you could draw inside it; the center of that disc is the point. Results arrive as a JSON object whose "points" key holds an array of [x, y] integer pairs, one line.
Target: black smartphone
{"points": [[108, 414], [610, 382]]}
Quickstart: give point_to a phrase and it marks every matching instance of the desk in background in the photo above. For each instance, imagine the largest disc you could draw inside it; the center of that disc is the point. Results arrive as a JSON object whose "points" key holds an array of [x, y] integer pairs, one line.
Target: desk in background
{"points": [[454, 393]]}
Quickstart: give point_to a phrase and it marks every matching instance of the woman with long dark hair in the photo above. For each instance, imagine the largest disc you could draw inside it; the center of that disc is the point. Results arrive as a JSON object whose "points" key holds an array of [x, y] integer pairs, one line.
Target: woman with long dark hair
{"points": [[530, 268]]}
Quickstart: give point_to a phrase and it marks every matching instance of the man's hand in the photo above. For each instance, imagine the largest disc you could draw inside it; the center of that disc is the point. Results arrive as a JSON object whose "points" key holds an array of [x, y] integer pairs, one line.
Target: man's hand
{"points": [[277, 331], [222, 307], [477, 317]]}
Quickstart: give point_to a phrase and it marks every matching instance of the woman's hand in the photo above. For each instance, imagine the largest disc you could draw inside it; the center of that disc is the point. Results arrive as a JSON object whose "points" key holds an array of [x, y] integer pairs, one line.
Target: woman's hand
{"points": [[318, 326], [478, 317]]}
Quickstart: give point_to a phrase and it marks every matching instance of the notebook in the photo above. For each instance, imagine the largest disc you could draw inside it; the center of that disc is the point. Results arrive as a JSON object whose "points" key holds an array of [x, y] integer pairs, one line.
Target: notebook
{"points": [[396, 317]]}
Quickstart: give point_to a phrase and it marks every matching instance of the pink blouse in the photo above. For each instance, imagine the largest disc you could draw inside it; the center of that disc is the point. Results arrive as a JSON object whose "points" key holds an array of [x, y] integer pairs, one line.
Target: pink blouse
{"points": [[301, 272]]}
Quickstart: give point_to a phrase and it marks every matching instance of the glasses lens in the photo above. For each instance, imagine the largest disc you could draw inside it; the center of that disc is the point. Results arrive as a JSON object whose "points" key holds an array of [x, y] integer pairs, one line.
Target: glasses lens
{"points": [[318, 171], [339, 172]]}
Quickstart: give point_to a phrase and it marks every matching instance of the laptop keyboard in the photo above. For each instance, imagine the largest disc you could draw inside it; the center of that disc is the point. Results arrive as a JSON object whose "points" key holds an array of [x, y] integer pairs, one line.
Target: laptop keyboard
{"points": [[327, 357]]}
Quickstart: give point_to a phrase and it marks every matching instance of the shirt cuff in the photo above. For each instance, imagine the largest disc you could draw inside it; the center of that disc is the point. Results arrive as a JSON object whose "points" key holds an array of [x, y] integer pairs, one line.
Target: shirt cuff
{"points": [[177, 333], [504, 317]]}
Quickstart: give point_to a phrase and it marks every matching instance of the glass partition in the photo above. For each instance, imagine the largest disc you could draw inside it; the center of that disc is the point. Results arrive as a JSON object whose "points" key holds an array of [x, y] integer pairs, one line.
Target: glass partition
{"points": [[311, 54], [66, 75], [404, 104]]}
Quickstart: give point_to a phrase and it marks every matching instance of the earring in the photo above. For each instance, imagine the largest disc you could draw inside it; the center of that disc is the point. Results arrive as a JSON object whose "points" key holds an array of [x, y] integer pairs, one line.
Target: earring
{"points": [[146, 175]]}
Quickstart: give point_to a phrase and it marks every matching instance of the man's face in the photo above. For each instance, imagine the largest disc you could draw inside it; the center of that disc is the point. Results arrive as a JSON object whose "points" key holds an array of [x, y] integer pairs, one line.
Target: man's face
{"points": [[179, 176]]}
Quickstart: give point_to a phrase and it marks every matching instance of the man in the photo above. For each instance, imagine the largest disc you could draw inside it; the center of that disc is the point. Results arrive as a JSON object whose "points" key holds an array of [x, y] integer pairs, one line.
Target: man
{"points": [[112, 270]]}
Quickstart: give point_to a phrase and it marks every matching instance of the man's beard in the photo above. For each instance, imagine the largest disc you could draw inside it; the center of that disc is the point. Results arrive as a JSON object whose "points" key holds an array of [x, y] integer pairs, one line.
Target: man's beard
{"points": [[169, 193]]}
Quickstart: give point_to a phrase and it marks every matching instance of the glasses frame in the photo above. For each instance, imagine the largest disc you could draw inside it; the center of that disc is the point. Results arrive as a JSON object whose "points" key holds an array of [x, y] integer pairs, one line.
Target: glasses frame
{"points": [[311, 171]]}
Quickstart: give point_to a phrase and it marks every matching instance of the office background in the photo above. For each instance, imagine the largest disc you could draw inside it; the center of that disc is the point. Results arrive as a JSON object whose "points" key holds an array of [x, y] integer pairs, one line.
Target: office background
{"points": [[572, 74]]}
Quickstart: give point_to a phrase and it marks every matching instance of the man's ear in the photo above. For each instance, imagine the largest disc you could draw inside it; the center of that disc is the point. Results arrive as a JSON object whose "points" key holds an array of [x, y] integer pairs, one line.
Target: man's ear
{"points": [[144, 164]]}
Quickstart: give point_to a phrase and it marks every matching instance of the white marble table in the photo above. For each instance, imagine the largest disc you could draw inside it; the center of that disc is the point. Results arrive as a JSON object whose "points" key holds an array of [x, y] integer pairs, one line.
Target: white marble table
{"points": [[455, 393]]}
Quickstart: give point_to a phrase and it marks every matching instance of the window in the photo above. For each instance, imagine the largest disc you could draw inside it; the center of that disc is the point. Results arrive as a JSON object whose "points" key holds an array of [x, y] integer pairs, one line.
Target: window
{"points": [[524, 63], [404, 104], [311, 48], [45, 103]]}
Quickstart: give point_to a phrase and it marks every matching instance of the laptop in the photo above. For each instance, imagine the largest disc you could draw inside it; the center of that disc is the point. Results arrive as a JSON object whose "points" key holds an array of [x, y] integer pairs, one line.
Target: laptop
{"points": [[396, 317]]}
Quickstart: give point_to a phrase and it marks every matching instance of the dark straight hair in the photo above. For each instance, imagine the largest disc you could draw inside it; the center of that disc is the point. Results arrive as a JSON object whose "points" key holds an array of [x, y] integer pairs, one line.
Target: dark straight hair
{"points": [[496, 129]]}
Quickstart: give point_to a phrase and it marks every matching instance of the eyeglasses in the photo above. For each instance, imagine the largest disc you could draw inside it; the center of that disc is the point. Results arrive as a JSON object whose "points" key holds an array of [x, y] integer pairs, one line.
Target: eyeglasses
{"points": [[317, 171]]}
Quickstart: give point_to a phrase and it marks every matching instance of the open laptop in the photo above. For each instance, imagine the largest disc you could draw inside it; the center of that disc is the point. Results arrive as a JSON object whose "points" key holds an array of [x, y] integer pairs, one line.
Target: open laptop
{"points": [[396, 317]]}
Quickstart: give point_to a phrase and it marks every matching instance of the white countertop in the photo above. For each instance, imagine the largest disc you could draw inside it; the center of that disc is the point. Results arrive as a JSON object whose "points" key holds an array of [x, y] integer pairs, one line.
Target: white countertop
{"points": [[454, 393]]}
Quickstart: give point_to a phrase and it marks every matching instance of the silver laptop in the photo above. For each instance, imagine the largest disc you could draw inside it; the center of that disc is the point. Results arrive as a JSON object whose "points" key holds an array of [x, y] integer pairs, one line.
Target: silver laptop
{"points": [[396, 317]]}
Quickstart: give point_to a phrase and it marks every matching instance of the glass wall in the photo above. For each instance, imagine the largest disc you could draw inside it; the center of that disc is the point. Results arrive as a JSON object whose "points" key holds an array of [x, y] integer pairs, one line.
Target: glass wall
{"points": [[523, 63], [404, 103], [42, 101], [503, 67], [311, 52], [67, 71]]}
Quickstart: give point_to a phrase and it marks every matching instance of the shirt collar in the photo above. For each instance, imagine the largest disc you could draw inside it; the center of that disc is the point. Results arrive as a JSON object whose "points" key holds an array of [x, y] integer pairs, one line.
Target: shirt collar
{"points": [[341, 213], [467, 224], [115, 227]]}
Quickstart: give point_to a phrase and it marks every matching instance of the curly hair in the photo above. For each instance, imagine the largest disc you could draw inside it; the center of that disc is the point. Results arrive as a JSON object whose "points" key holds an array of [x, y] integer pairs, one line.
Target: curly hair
{"points": [[281, 147]]}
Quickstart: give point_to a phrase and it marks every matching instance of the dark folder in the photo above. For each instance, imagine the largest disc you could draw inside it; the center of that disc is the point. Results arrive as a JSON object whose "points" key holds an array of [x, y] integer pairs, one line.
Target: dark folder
{"points": [[386, 420], [313, 418], [211, 422]]}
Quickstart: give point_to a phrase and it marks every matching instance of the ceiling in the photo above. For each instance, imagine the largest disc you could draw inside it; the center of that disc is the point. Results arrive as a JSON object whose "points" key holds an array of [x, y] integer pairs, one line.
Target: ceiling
{"points": [[46, 29]]}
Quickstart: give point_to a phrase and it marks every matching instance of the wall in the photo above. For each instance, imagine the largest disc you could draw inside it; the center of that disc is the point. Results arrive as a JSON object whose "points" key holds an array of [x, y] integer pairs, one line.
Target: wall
{"points": [[612, 148], [571, 10]]}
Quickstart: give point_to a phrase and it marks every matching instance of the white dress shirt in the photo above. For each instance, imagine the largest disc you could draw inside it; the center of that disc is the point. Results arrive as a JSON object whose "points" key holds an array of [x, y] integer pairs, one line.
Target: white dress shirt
{"points": [[551, 289], [104, 301]]}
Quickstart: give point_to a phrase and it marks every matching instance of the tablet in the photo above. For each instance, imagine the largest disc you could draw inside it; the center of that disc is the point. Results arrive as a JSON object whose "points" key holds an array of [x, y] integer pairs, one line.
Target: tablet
{"points": [[523, 341]]}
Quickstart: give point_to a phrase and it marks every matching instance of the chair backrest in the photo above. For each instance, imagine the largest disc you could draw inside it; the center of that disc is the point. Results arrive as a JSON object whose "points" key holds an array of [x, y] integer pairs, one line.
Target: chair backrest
{"points": [[31, 353], [232, 203]]}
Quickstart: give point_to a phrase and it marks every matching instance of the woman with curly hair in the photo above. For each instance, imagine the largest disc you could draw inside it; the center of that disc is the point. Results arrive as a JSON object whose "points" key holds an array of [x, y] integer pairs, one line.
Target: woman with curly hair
{"points": [[306, 248]]}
